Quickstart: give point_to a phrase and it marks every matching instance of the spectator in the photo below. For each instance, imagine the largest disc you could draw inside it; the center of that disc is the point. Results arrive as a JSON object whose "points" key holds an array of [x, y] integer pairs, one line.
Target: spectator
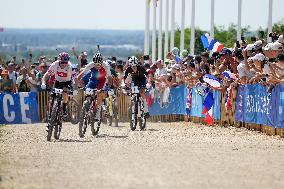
{"points": [[13, 75], [6, 84], [25, 82]]}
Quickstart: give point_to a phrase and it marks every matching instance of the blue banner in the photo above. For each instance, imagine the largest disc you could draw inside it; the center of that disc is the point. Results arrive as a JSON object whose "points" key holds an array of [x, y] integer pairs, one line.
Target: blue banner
{"points": [[254, 105], [16, 108], [278, 106], [174, 105]]}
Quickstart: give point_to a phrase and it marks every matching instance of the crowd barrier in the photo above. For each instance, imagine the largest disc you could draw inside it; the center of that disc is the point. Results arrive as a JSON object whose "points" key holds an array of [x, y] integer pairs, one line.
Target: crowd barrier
{"points": [[252, 108]]}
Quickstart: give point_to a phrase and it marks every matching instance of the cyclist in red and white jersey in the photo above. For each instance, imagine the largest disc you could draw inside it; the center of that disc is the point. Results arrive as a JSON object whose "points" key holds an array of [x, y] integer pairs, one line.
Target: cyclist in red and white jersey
{"points": [[62, 70]]}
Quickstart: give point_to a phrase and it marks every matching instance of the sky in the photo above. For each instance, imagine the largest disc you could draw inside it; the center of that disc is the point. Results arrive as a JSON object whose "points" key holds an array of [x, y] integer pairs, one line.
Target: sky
{"points": [[128, 14]]}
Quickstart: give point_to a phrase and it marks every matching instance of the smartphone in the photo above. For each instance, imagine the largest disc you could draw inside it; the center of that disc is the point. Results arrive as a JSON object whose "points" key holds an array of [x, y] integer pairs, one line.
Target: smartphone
{"points": [[146, 57], [238, 44]]}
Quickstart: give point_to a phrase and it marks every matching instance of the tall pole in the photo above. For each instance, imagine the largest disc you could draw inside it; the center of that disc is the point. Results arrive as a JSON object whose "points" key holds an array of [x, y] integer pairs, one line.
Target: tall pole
{"points": [[212, 18], [182, 25], [192, 39], [173, 25], [166, 46], [239, 31], [269, 26], [154, 32], [147, 24], [160, 42]]}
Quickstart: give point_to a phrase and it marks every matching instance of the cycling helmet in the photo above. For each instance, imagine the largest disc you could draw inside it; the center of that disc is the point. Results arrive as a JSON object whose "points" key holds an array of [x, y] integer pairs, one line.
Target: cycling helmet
{"points": [[133, 61], [98, 58], [64, 57]]}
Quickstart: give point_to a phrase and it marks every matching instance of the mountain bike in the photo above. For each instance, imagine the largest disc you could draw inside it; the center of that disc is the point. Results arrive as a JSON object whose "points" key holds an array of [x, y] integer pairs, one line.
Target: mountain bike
{"points": [[111, 111]]}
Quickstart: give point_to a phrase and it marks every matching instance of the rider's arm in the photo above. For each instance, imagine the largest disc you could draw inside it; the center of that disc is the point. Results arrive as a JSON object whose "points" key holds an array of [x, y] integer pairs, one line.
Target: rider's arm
{"points": [[85, 70], [50, 70]]}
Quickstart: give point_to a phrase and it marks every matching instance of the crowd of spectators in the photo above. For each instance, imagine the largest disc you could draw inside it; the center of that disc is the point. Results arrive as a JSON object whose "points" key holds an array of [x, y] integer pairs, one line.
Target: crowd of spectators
{"points": [[259, 62]]}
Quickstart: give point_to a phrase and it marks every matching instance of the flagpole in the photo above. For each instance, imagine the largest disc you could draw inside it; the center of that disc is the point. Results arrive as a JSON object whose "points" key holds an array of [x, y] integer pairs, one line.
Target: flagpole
{"points": [[154, 30], [173, 25], [239, 31], [160, 42], [147, 23], [192, 39], [269, 26], [166, 46], [212, 18], [182, 25]]}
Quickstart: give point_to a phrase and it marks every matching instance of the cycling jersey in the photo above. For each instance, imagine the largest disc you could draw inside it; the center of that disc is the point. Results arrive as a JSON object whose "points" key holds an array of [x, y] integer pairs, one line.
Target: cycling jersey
{"points": [[96, 77], [61, 75], [139, 77]]}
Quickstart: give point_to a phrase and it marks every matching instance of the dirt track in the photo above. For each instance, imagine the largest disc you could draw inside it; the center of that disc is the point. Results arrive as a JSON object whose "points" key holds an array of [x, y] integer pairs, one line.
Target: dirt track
{"points": [[167, 155]]}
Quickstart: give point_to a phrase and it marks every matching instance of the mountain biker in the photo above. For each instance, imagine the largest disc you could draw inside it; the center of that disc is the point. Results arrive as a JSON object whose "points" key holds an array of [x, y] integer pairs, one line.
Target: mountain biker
{"points": [[137, 75], [62, 71], [100, 74]]}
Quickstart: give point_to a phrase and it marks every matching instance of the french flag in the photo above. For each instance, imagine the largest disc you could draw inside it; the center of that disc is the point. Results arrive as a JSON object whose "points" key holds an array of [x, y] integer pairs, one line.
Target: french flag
{"points": [[229, 75], [212, 80], [215, 46], [208, 108]]}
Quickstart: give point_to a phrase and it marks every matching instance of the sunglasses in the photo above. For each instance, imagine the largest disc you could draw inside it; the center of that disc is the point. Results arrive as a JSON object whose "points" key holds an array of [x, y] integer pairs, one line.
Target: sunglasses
{"points": [[64, 62]]}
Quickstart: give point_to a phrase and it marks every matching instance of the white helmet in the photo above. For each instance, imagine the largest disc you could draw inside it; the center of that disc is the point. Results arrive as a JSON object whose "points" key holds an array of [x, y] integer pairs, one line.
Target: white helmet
{"points": [[133, 61]]}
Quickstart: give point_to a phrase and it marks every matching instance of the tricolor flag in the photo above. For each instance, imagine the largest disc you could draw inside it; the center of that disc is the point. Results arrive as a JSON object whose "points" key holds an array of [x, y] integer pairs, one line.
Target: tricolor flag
{"points": [[212, 80], [215, 46], [229, 75], [206, 39], [208, 108], [150, 97], [228, 98]]}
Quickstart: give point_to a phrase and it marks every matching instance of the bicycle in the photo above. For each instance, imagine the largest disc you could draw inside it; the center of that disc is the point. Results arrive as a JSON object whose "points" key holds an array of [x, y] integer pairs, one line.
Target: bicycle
{"points": [[55, 112], [88, 113], [136, 110]]}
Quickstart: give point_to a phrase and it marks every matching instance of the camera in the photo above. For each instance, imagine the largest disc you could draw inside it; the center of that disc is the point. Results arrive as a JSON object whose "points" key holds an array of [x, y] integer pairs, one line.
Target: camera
{"points": [[274, 36]]}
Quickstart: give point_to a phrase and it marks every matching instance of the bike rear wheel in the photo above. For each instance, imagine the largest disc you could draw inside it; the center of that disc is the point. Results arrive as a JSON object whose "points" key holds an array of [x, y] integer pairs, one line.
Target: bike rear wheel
{"points": [[84, 119]]}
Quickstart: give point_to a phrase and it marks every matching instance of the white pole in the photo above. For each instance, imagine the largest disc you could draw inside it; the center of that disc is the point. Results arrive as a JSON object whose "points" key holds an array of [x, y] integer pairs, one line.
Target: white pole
{"points": [[166, 46], [182, 25], [147, 24], [154, 32], [239, 31], [192, 39], [269, 20], [173, 26], [160, 42], [212, 18]]}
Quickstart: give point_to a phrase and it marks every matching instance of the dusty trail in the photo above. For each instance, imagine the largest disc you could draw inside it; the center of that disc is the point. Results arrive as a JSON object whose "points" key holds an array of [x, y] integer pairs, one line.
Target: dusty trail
{"points": [[166, 155]]}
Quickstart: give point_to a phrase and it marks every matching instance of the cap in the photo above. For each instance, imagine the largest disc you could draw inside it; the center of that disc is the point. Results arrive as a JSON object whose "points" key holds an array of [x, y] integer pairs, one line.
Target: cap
{"points": [[258, 44], [160, 61], [281, 39], [176, 66], [250, 47], [258, 57], [277, 46], [225, 51], [175, 51]]}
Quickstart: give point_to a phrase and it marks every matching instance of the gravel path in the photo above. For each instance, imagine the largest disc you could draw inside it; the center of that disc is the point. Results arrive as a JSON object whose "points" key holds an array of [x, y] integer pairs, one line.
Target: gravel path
{"points": [[166, 155]]}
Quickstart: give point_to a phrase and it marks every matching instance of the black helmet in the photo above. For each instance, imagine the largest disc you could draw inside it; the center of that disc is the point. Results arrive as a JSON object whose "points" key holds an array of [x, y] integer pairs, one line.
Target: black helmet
{"points": [[98, 58]]}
